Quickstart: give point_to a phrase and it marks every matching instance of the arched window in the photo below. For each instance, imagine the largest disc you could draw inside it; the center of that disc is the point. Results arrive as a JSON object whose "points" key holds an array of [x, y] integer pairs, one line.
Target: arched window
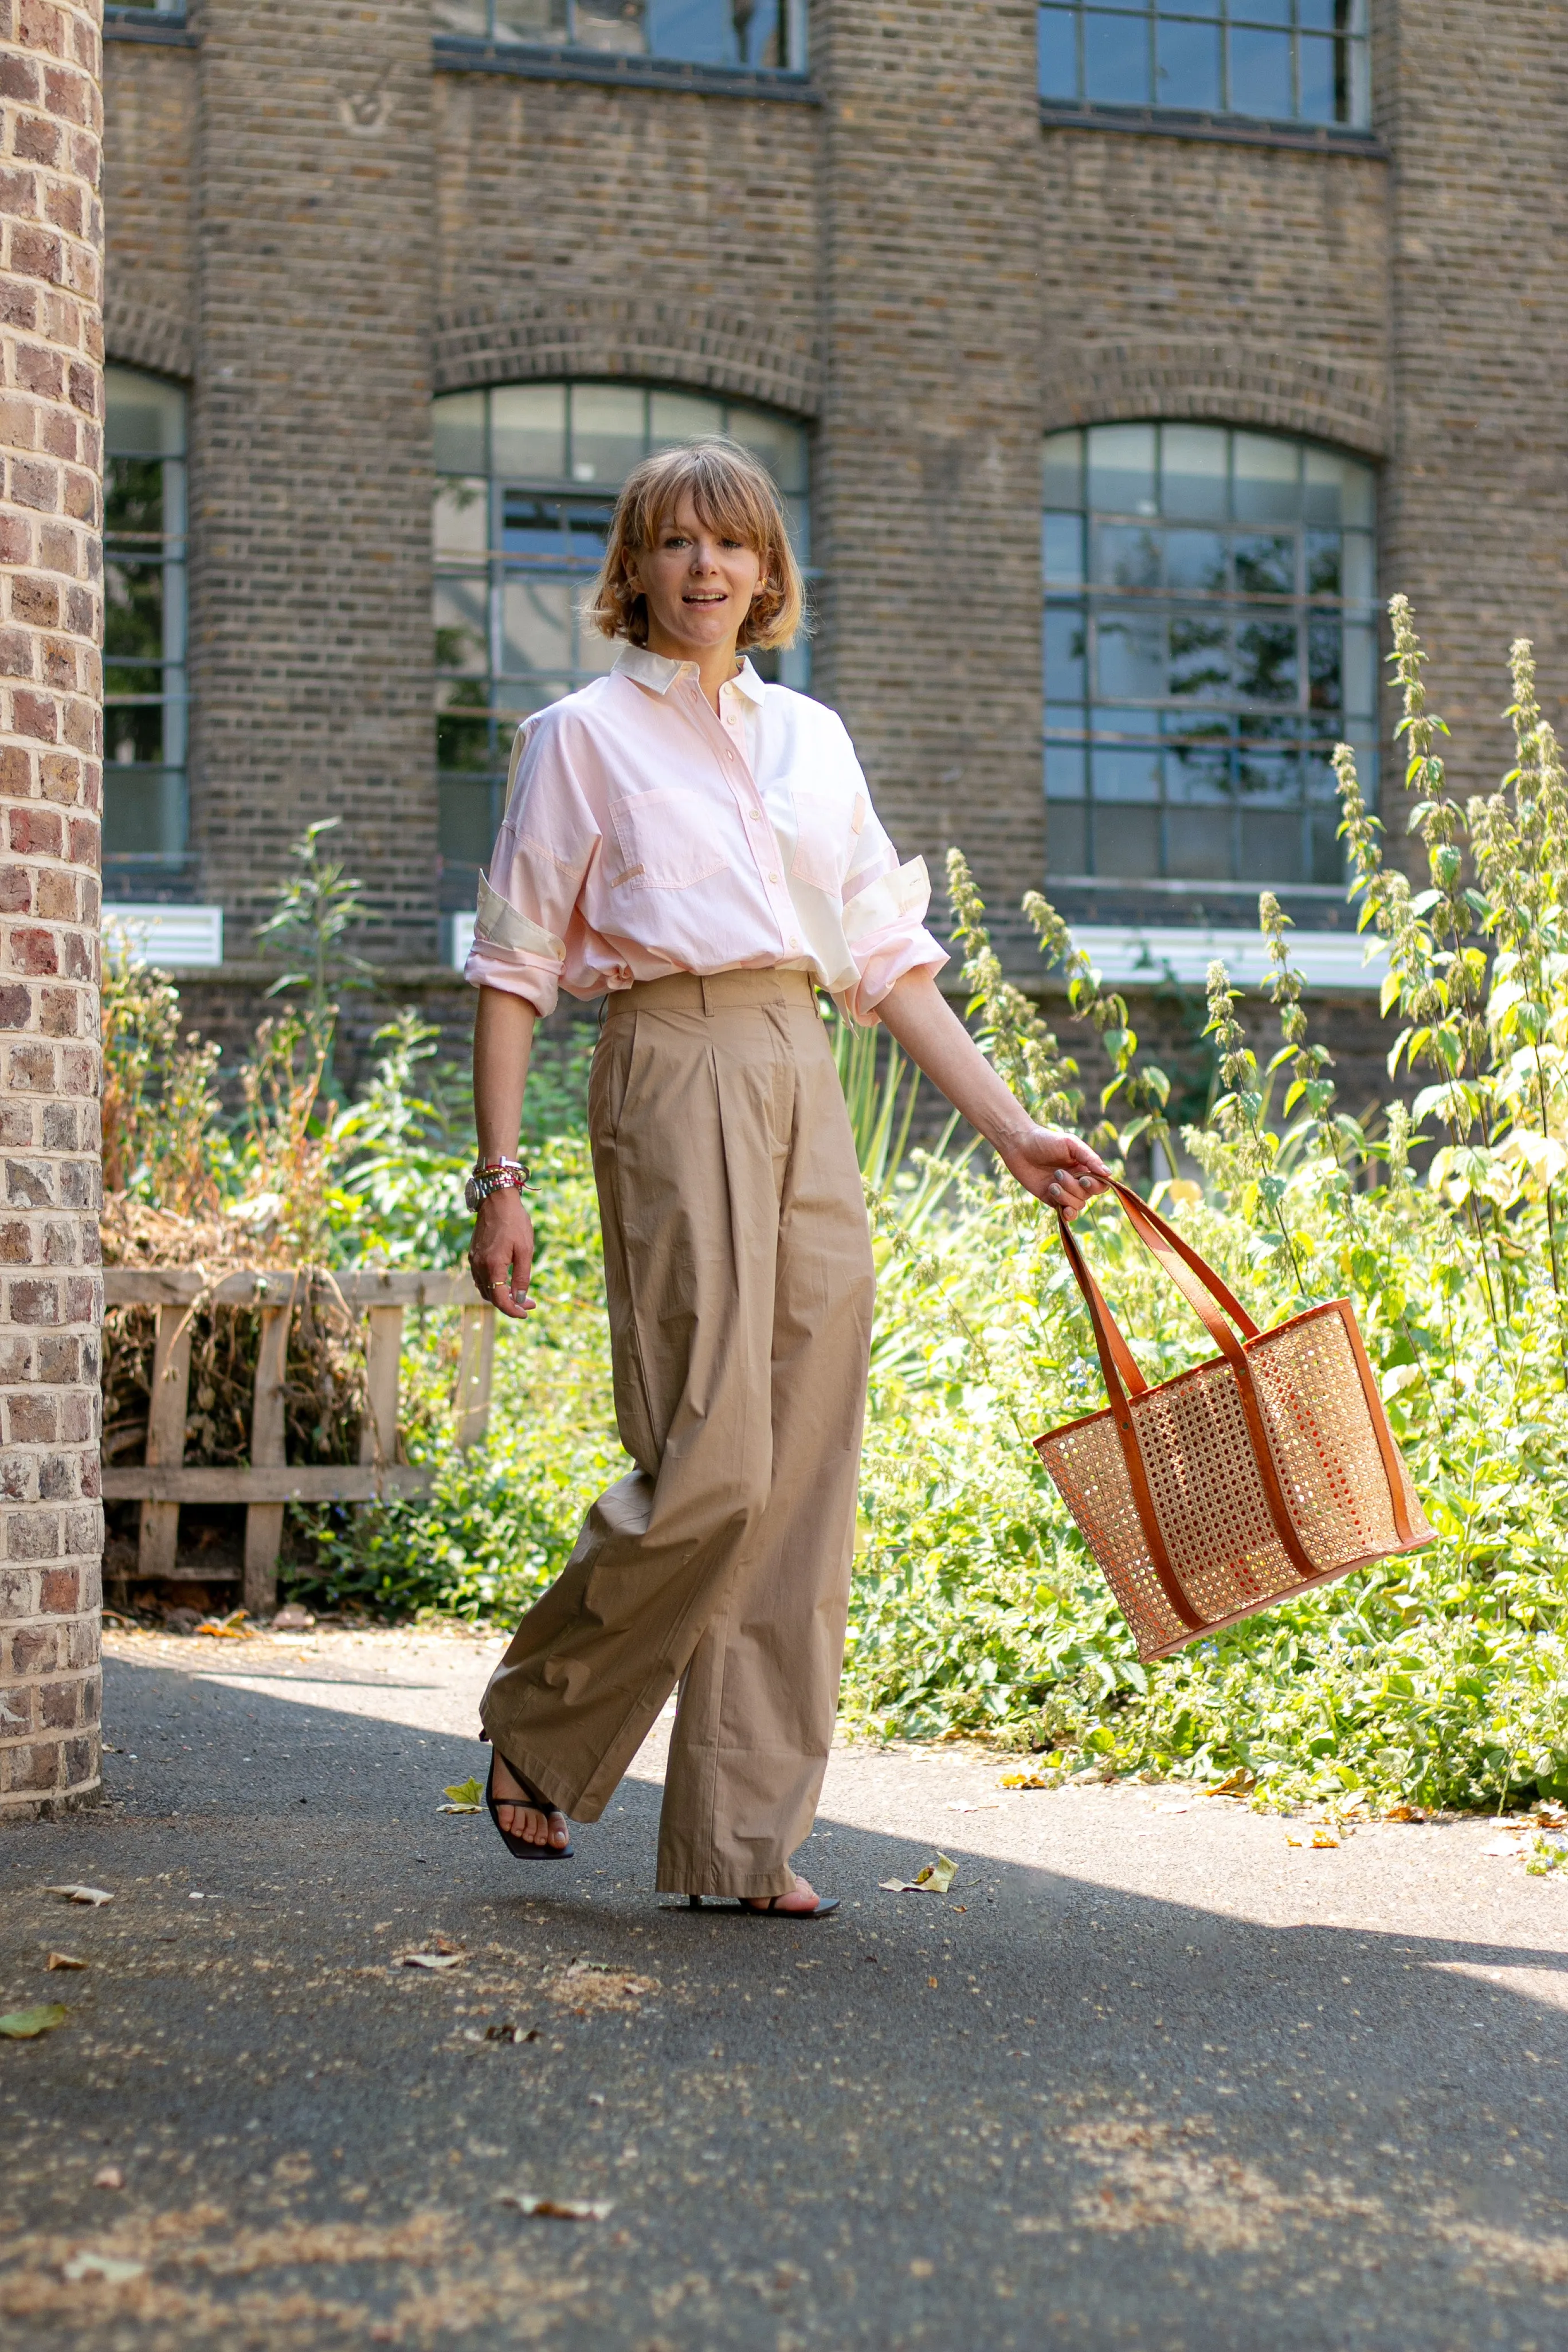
{"points": [[1210, 634], [144, 814], [1277, 60], [526, 477]]}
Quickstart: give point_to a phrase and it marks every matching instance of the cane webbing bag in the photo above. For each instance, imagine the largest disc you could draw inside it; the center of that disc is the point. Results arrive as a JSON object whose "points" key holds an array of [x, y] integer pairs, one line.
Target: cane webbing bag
{"points": [[1265, 1470]]}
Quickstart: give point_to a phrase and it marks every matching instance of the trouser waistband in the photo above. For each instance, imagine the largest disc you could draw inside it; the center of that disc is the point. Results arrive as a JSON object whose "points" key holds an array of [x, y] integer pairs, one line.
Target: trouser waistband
{"points": [[711, 993]]}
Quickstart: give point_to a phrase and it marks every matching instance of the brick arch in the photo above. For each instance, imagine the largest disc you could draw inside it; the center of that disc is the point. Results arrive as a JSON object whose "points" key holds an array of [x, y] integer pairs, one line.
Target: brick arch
{"points": [[140, 335], [709, 349], [1277, 389]]}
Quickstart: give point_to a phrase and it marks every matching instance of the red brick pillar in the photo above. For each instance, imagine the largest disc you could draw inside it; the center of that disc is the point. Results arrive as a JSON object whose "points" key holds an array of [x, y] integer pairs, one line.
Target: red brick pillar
{"points": [[52, 450]]}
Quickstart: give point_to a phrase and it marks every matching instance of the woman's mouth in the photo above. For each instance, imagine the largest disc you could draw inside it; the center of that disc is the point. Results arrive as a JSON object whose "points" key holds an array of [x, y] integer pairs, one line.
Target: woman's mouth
{"points": [[705, 596]]}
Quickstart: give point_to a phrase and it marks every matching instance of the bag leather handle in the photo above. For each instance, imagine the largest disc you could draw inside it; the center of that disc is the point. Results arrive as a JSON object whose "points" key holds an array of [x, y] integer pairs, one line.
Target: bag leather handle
{"points": [[1206, 1294]]}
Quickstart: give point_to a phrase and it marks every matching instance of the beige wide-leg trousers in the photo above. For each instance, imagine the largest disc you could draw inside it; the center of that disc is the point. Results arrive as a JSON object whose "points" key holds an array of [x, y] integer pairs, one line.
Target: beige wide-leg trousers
{"points": [[738, 1268]]}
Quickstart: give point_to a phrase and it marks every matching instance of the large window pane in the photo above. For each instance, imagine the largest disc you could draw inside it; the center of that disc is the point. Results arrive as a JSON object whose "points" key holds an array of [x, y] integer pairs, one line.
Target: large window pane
{"points": [[1281, 60], [1188, 71], [528, 432], [1223, 638], [1116, 63]]}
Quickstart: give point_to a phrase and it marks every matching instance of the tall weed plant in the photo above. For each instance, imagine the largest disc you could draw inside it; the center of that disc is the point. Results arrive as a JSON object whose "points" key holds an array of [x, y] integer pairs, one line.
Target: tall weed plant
{"points": [[1436, 1680]]}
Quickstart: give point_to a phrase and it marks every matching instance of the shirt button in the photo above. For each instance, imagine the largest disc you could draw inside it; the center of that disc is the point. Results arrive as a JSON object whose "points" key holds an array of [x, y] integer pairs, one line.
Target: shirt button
{"points": [[775, 877]]}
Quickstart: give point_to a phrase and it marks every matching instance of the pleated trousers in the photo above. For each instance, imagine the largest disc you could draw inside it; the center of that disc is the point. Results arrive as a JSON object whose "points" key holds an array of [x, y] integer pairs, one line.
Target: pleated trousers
{"points": [[740, 1285]]}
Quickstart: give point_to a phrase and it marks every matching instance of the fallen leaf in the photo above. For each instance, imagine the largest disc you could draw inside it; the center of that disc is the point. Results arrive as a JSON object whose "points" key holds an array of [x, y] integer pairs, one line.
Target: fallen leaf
{"points": [[506, 2033], [1321, 1840], [559, 2208], [1495, 1848], [431, 1960], [65, 1961], [93, 1895], [1403, 1812], [23, 2024], [932, 1878], [109, 2176], [111, 2268], [1234, 1784], [1290, 1840], [465, 1796], [1022, 1780]]}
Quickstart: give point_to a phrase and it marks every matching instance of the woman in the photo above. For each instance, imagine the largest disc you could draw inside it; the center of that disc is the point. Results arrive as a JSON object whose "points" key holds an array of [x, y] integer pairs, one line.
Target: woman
{"points": [[700, 848]]}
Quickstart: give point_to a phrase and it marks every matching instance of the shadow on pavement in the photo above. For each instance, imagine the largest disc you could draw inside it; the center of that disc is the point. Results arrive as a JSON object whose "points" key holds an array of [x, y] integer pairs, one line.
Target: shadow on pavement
{"points": [[1042, 2110]]}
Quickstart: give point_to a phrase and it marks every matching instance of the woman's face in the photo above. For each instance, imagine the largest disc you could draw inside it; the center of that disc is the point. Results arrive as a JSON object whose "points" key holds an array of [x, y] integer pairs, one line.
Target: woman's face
{"points": [[698, 584]]}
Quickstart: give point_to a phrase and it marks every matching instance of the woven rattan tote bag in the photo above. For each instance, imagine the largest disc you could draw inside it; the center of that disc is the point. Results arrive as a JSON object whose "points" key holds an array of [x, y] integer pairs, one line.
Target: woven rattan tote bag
{"points": [[1269, 1469]]}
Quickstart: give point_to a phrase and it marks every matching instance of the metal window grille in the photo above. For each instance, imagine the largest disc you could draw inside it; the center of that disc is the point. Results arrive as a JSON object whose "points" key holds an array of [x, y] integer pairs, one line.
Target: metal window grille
{"points": [[526, 477], [145, 688], [1274, 60], [767, 36], [1210, 634]]}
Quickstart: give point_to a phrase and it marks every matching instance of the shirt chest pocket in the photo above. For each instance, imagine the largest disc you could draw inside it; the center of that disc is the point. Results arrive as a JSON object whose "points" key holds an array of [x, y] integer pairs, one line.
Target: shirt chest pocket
{"points": [[665, 842], [821, 835]]}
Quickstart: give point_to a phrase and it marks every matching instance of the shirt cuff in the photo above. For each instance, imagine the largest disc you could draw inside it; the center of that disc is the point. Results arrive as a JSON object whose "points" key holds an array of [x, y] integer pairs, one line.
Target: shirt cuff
{"points": [[884, 933], [537, 983]]}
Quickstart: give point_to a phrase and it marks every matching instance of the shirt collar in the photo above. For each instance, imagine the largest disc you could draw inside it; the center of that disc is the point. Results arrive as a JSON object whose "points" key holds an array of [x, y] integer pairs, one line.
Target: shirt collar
{"points": [[658, 673]]}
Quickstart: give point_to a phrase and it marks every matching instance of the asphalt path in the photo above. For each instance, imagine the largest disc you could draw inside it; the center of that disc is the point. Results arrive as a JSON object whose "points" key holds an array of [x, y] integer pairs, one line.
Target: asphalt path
{"points": [[1147, 2074]]}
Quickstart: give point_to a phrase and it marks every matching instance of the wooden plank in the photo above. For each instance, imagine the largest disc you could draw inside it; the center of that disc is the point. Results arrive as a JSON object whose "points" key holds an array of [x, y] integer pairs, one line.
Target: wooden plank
{"points": [[476, 1365], [383, 1361], [159, 1533], [314, 1481], [264, 1521], [188, 1574], [178, 1286]]}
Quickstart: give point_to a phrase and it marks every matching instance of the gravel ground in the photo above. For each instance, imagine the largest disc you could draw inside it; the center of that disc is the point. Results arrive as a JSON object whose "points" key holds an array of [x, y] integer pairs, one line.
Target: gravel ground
{"points": [[1148, 2074]]}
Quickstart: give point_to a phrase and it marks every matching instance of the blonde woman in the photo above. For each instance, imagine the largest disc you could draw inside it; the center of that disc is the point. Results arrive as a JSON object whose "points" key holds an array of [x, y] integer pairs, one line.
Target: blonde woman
{"points": [[699, 849]]}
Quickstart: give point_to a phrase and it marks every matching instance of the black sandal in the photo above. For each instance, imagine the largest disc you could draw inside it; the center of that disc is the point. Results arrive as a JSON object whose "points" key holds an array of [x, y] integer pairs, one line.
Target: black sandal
{"points": [[524, 1849], [771, 1908]]}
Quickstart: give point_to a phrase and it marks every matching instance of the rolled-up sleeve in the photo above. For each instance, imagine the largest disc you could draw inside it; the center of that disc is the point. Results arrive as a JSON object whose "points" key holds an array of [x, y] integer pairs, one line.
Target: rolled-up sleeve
{"points": [[885, 907], [546, 842]]}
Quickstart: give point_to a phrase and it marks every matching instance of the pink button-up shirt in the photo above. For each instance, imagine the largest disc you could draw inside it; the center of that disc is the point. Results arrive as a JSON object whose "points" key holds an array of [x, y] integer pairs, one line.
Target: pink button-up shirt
{"points": [[645, 835]]}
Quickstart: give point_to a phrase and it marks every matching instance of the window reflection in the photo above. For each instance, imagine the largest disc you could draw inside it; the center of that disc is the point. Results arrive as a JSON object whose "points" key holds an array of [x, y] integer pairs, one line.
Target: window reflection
{"points": [[1197, 678], [766, 35], [1277, 60]]}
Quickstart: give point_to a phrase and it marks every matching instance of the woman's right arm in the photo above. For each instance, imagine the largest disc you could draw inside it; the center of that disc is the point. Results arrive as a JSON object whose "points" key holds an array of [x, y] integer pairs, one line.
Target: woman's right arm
{"points": [[500, 1256]]}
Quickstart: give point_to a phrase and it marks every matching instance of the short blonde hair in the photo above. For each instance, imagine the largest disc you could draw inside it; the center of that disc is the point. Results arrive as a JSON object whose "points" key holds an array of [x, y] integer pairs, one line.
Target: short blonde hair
{"points": [[732, 492]]}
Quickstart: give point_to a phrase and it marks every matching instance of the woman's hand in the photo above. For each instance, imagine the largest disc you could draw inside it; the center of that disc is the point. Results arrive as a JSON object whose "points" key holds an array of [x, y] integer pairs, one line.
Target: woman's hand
{"points": [[1057, 1169], [500, 1256]]}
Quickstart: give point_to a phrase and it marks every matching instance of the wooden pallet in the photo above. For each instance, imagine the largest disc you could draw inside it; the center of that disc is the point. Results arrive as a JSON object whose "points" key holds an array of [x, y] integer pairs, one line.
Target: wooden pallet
{"points": [[264, 1485]]}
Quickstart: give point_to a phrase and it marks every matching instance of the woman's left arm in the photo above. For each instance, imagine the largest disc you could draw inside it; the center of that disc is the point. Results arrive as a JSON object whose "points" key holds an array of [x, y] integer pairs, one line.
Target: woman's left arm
{"points": [[1057, 1169]]}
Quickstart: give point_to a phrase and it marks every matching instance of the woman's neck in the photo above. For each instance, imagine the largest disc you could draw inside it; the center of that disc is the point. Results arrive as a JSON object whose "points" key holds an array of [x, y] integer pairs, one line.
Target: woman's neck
{"points": [[716, 665]]}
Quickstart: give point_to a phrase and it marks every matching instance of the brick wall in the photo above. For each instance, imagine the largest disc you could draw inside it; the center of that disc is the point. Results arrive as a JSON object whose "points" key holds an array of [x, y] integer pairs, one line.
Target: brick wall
{"points": [[150, 98], [1476, 504], [51, 786], [312, 661], [928, 497]]}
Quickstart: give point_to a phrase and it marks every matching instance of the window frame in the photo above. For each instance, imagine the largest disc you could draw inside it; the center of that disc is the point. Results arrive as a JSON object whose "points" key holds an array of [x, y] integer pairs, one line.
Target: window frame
{"points": [[1224, 17], [170, 695], [1188, 756]]}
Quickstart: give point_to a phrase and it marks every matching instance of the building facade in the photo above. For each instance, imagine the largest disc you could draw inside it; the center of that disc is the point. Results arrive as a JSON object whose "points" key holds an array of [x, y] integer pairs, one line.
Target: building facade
{"points": [[1118, 358]]}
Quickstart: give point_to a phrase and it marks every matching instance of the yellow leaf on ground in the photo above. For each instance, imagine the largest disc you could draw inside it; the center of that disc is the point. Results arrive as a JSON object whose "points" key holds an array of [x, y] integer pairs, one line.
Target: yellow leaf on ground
{"points": [[23, 2024], [94, 1895], [65, 1961], [431, 1959], [932, 1878], [1022, 1780], [1320, 1838]]}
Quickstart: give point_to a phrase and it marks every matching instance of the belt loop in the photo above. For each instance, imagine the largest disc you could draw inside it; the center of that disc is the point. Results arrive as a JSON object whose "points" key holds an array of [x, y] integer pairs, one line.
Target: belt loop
{"points": [[708, 1003]]}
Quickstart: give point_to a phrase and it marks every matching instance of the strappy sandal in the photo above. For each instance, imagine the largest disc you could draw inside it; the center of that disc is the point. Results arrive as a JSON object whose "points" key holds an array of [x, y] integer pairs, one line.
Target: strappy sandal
{"points": [[769, 1909], [525, 1849]]}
